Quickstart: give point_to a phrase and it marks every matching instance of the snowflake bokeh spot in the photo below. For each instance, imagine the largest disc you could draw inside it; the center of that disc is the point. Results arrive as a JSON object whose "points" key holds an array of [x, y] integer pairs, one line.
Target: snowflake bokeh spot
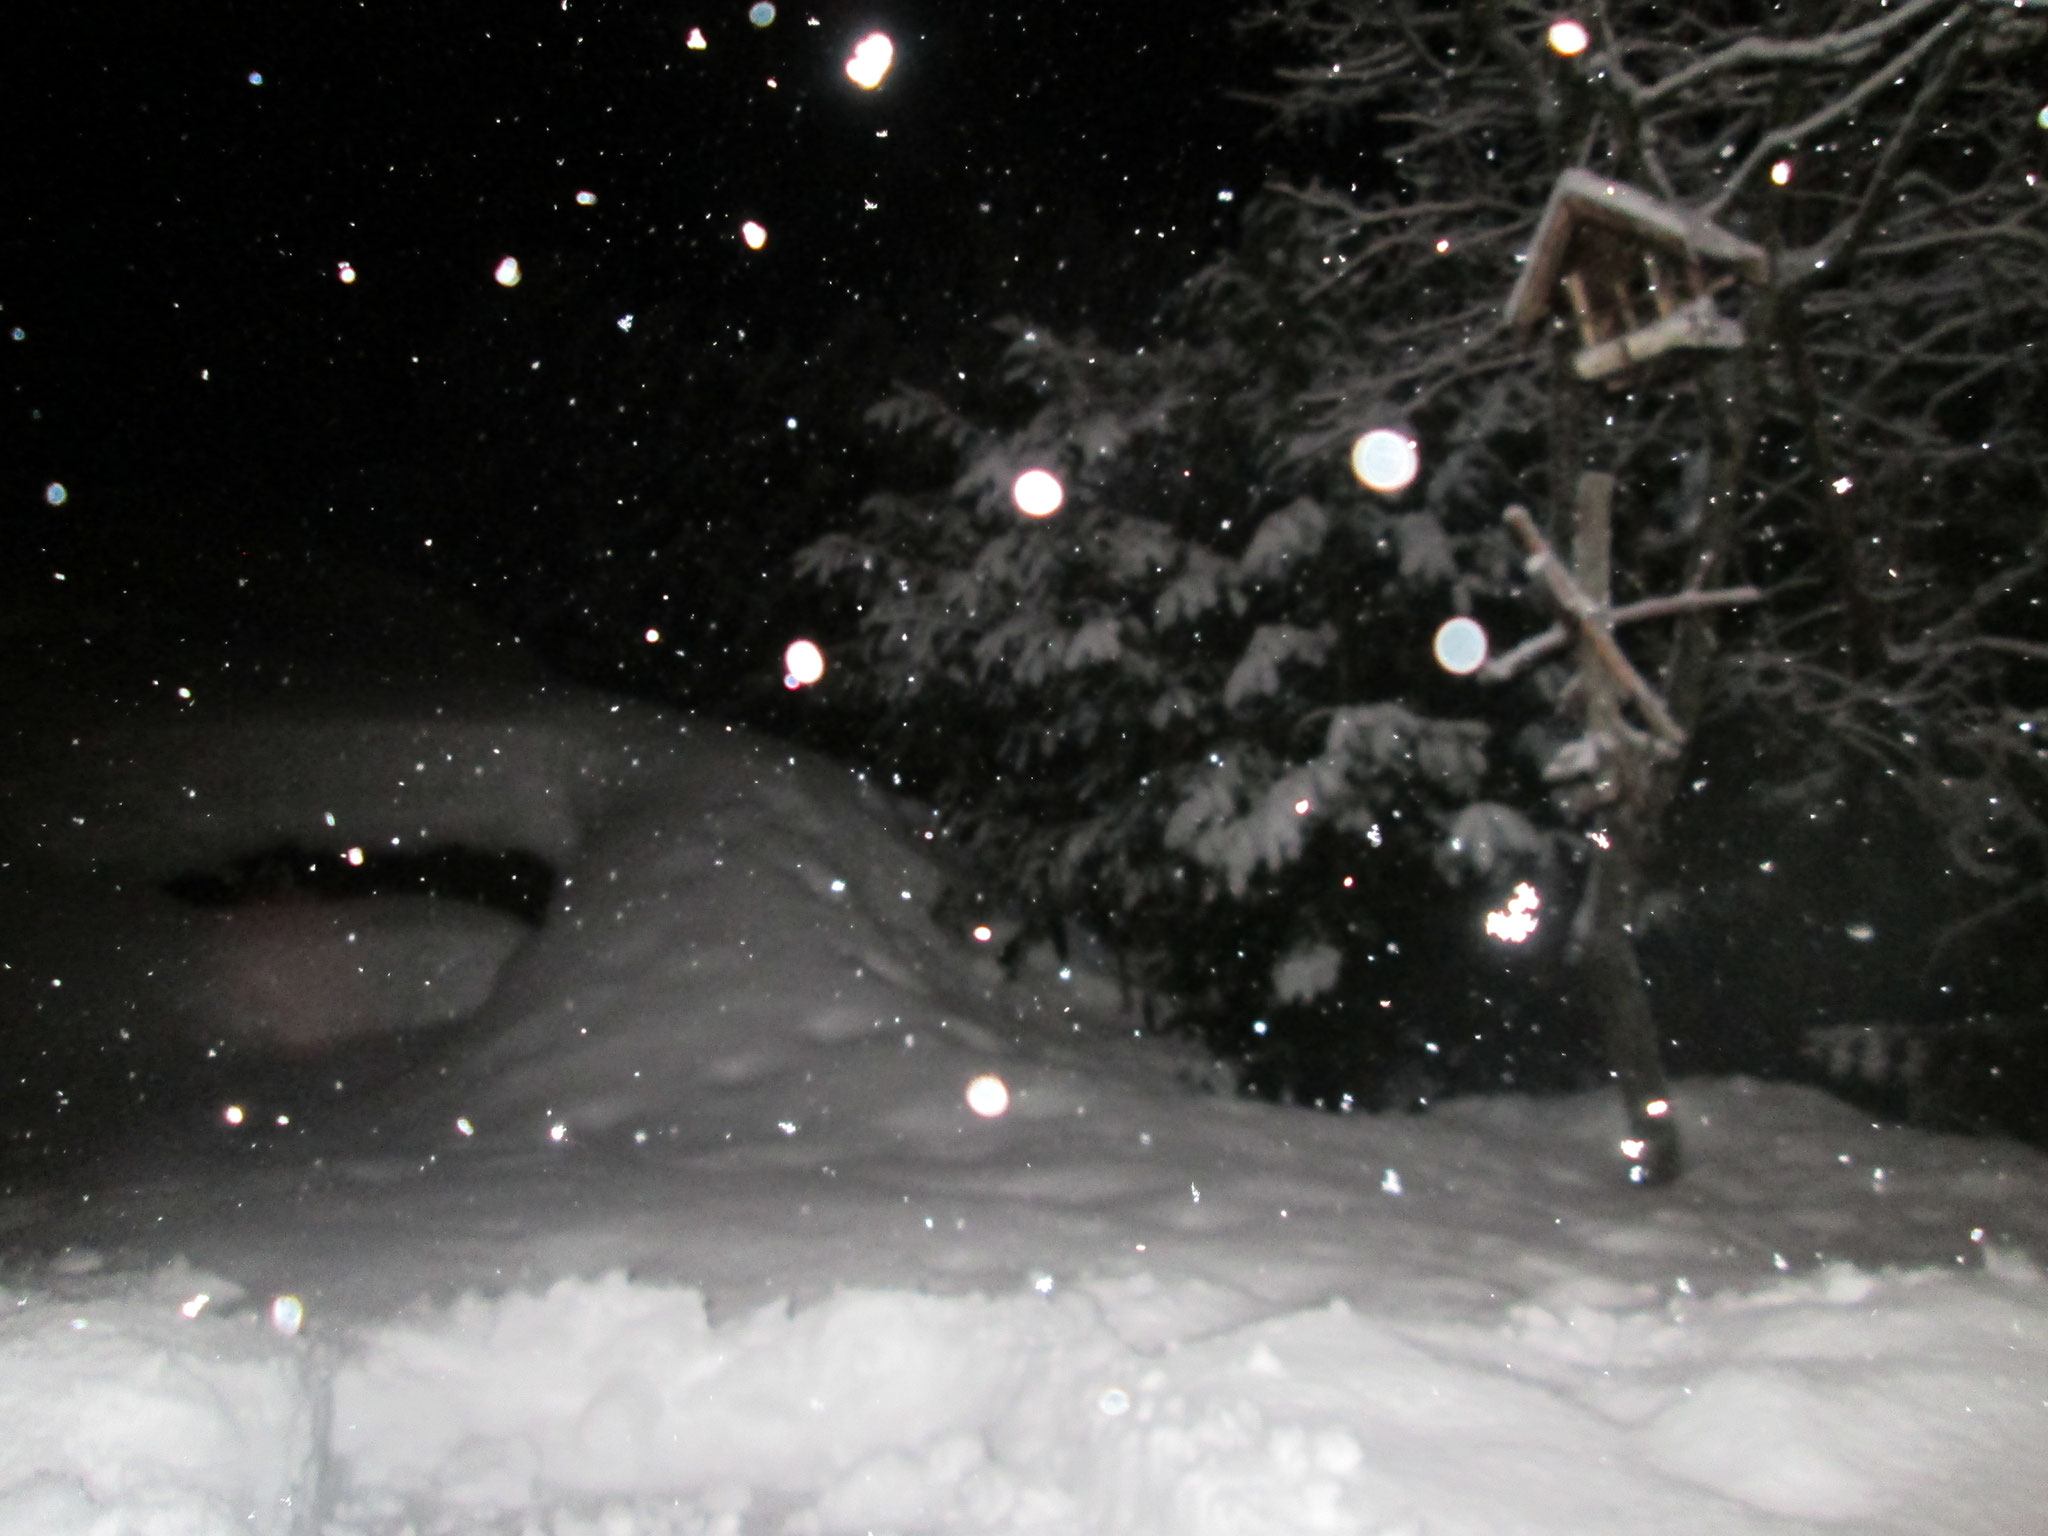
{"points": [[870, 60], [1567, 38], [1385, 460], [803, 663], [1038, 493], [1460, 646]]}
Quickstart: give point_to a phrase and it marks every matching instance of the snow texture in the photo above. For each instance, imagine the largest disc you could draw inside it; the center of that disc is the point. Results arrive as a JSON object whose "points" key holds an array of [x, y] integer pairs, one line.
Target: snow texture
{"points": [[723, 1249]]}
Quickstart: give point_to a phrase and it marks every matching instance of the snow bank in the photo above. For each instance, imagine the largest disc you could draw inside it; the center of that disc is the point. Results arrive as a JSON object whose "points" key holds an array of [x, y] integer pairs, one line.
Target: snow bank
{"points": [[156, 1406], [693, 1230], [1898, 1401]]}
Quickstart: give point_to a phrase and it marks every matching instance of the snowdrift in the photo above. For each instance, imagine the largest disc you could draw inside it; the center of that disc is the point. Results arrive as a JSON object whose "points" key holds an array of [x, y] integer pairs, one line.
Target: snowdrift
{"points": [[681, 1222]]}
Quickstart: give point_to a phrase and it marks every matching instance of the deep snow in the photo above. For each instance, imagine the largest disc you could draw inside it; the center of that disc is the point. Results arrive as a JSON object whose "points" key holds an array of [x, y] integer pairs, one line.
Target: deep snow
{"points": [[696, 1232]]}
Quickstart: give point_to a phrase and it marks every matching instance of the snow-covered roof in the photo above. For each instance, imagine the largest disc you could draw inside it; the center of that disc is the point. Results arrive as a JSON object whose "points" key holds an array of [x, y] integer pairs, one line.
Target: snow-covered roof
{"points": [[1582, 196]]}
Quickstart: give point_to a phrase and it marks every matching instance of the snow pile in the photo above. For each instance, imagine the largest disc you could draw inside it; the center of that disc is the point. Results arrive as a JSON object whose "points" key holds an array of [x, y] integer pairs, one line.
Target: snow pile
{"points": [[152, 1406], [691, 1228], [1906, 1402]]}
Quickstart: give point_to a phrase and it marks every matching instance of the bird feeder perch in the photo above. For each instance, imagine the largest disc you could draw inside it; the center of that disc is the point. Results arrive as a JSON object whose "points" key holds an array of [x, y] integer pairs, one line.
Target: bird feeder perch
{"points": [[1635, 275]]}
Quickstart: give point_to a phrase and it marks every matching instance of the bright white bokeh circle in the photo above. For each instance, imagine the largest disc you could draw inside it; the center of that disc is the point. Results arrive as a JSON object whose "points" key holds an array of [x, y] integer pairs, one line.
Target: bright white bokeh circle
{"points": [[1385, 460], [988, 1096], [1038, 493], [871, 59], [1460, 646], [756, 235], [1567, 38], [803, 662], [508, 273]]}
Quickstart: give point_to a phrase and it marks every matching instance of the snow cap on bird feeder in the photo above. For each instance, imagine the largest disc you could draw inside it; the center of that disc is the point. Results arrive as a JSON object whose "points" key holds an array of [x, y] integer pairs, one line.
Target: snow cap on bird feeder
{"points": [[1636, 276]]}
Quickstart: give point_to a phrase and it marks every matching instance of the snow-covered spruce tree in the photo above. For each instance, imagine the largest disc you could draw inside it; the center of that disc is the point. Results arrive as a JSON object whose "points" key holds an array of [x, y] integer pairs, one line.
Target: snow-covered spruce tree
{"points": [[1183, 705], [1195, 710]]}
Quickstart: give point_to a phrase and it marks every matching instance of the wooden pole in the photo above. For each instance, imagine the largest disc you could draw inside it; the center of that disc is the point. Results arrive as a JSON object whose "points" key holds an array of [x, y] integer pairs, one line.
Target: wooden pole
{"points": [[1588, 608], [1605, 942]]}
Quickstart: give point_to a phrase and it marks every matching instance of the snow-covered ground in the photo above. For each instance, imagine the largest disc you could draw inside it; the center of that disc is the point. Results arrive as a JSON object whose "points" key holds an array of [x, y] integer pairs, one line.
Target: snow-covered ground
{"points": [[692, 1229]]}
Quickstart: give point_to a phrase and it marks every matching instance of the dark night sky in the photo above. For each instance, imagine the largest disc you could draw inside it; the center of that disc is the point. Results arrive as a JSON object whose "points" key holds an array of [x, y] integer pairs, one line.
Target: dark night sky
{"points": [[191, 356]]}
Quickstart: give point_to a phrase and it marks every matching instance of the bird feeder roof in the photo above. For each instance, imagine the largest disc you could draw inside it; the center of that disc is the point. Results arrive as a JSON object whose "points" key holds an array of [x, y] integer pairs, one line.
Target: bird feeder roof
{"points": [[1581, 199]]}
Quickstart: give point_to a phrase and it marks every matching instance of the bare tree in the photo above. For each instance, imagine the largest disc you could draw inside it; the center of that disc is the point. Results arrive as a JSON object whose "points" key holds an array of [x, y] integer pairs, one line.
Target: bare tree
{"points": [[1875, 455]]}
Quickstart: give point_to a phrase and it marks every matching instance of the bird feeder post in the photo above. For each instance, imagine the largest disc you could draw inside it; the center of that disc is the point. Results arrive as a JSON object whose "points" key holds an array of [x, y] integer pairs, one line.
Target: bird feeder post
{"points": [[1637, 281], [1621, 776]]}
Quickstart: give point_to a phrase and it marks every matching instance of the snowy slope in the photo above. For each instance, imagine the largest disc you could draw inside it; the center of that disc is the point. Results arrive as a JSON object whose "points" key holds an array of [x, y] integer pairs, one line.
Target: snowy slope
{"points": [[691, 1228]]}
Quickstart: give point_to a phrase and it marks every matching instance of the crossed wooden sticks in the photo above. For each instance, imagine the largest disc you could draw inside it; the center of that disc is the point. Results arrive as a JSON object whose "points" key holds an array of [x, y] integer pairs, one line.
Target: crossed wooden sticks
{"points": [[1596, 623]]}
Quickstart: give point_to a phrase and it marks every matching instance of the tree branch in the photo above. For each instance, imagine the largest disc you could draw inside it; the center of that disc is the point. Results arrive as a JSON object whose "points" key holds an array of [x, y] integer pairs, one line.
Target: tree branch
{"points": [[1842, 106]]}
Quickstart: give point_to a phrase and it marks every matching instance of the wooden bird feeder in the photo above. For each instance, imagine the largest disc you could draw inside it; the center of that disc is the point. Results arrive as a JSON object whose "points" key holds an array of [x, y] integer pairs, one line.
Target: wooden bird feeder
{"points": [[1636, 276]]}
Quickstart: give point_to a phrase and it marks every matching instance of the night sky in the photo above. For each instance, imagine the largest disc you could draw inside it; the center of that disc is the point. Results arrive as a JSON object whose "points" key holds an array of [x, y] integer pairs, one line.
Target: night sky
{"points": [[189, 365]]}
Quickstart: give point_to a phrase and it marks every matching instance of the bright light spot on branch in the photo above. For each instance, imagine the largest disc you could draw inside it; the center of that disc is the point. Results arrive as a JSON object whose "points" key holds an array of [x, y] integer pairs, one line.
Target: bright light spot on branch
{"points": [[1460, 646], [1844, 485], [1515, 922], [755, 235], [1781, 173], [1038, 493], [1385, 460], [194, 1305], [803, 663], [345, 272], [1567, 38], [1303, 806], [988, 1096], [1443, 247], [872, 56], [508, 273]]}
